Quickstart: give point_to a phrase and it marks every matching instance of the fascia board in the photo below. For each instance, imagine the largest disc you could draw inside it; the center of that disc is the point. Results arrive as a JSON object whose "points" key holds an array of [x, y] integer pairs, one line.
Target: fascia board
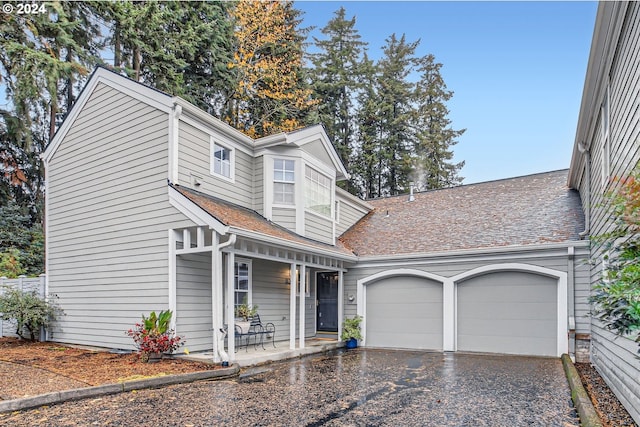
{"points": [[292, 245], [194, 212], [132, 88]]}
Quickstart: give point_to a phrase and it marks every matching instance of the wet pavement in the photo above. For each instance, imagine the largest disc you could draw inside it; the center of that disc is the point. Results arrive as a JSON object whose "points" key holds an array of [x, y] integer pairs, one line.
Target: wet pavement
{"points": [[346, 388]]}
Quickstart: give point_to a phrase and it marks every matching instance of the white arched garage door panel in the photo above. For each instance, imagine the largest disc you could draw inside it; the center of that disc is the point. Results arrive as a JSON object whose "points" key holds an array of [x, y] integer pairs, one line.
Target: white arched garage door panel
{"points": [[508, 312], [404, 312]]}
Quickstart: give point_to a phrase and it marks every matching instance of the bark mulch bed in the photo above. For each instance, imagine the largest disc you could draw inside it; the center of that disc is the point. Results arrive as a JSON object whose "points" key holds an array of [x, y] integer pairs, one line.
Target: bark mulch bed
{"points": [[28, 369], [607, 405]]}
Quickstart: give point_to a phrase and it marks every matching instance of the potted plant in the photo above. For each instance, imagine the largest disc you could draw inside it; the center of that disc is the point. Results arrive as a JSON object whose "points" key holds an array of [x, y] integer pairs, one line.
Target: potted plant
{"points": [[351, 331], [244, 312], [153, 338]]}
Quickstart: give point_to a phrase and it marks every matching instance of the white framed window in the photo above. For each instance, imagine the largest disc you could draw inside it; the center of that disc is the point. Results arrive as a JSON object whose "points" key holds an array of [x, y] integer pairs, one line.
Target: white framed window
{"points": [[307, 283], [317, 192], [284, 181], [242, 282], [221, 160], [605, 120]]}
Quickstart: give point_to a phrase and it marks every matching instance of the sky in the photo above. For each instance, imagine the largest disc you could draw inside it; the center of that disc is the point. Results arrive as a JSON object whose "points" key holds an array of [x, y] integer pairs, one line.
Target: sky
{"points": [[517, 71]]}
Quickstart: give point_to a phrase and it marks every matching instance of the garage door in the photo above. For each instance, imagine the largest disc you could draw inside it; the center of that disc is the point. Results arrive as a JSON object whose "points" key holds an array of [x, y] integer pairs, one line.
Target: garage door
{"points": [[508, 312], [404, 312]]}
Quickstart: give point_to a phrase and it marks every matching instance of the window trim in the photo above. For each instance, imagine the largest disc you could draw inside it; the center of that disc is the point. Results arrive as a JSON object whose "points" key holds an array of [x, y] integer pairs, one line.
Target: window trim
{"points": [[232, 157], [275, 181], [249, 292], [328, 215]]}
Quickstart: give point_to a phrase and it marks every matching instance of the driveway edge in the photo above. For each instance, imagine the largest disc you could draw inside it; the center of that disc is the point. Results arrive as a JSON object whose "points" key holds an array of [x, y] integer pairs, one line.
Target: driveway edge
{"points": [[586, 411], [102, 390]]}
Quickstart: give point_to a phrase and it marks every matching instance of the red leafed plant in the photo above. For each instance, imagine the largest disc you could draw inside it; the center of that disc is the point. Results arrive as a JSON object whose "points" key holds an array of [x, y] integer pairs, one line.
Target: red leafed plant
{"points": [[153, 335]]}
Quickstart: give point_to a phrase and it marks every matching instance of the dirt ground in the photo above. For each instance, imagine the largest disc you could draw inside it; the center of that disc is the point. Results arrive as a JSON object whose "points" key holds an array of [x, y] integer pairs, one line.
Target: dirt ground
{"points": [[29, 369]]}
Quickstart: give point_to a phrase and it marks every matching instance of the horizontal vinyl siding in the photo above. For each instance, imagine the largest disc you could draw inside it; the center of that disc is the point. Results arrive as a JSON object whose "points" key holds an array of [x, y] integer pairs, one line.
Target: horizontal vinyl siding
{"points": [[349, 215], [609, 350], [271, 294], [284, 217], [193, 301], [318, 228], [258, 185], [194, 157], [107, 220]]}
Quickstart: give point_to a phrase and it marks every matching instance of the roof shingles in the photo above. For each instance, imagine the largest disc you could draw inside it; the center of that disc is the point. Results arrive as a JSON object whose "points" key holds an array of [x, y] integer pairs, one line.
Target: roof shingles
{"points": [[526, 210]]}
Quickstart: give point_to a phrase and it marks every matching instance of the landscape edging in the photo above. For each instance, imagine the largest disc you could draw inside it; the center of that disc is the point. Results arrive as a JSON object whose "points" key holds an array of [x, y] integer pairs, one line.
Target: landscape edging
{"points": [[586, 411], [101, 390]]}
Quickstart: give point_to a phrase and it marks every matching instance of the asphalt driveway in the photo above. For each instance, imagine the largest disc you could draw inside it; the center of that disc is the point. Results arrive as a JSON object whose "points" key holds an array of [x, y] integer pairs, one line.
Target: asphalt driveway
{"points": [[355, 388]]}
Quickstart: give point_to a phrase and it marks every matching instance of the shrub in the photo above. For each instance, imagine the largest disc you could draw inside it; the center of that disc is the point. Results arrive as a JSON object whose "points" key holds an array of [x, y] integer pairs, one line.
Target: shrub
{"points": [[153, 335], [29, 310]]}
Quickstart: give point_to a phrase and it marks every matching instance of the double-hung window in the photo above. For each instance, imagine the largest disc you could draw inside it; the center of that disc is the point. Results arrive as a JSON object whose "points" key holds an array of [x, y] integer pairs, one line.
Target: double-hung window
{"points": [[221, 160], [317, 192], [242, 282], [284, 182]]}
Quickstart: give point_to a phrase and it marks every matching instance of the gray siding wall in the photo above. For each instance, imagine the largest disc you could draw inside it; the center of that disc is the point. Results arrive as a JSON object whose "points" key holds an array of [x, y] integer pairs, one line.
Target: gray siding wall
{"points": [[194, 158], [107, 220], [616, 357], [271, 294], [318, 228], [448, 267], [193, 301], [258, 184], [349, 214], [285, 217]]}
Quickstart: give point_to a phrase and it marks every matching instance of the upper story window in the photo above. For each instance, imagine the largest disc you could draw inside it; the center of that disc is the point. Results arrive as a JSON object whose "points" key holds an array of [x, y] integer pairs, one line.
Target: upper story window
{"points": [[221, 160], [317, 192], [284, 181]]}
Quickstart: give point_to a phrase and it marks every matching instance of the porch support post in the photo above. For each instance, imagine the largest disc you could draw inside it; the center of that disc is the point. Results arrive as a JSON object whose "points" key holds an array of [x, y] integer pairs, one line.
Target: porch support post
{"points": [[172, 277], [216, 284], [340, 302], [292, 307], [303, 294], [231, 330]]}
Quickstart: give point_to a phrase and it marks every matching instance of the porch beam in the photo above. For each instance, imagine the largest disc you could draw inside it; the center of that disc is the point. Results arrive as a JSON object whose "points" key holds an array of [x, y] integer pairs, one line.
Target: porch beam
{"points": [[303, 300], [194, 250], [292, 307], [289, 258]]}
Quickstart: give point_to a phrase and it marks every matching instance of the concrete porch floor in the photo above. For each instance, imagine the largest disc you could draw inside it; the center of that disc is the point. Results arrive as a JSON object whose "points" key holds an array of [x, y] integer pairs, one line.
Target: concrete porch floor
{"points": [[253, 355]]}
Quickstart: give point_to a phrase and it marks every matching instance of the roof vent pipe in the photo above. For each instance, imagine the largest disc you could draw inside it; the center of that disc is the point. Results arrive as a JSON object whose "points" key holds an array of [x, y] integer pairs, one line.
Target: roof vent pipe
{"points": [[411, 196]]}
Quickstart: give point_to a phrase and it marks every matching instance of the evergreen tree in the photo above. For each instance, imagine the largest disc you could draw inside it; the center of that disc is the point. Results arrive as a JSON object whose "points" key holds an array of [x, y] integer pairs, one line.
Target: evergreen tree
{"points": [[395, 111], [271, 94], [337, 78], [434, 136]]}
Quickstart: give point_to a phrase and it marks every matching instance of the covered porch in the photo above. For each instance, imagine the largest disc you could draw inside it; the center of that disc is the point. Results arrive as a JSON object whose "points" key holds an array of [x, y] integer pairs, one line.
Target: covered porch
{"points": [[295, 286]]}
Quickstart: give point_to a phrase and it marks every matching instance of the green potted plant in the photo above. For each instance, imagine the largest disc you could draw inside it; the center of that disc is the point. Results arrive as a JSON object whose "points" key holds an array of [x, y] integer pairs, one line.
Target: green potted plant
{"points": [[153, 337], [351, 332], [243, 313]]}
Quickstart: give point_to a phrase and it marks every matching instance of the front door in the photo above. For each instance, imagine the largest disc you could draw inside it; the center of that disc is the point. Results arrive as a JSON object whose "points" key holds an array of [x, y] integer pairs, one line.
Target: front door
{"points": [[327, 288]]}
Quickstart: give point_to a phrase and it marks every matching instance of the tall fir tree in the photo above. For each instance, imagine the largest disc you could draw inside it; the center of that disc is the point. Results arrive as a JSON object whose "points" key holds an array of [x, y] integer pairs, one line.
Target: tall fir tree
{"points": [[434, 136], [337, 76], [395, 96], [272, 94]]}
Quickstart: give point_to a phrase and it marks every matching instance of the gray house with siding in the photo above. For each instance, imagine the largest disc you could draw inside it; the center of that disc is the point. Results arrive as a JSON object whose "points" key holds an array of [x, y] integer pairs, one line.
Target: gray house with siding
{"points": [[153, 204], [607, 146]]}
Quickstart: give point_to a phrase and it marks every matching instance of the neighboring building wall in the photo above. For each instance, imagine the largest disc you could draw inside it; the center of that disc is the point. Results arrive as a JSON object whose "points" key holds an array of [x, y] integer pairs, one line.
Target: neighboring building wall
{"points": [[613, 80], [107, 219], [555, 258], [26, 284], [194, 159]]}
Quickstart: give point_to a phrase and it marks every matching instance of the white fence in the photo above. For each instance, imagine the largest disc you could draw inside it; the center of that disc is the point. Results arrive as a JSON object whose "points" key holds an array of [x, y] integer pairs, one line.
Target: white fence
{"points": [[8, 328]]}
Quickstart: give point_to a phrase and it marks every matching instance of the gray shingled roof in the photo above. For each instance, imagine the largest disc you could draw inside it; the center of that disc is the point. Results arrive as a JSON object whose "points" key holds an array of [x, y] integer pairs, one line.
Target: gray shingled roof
{"points": [[526, 210]]}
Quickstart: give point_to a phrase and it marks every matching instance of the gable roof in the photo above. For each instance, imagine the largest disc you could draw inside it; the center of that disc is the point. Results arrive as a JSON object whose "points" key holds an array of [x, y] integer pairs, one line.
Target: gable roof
{"points": [[528, 210], [249, 223]]}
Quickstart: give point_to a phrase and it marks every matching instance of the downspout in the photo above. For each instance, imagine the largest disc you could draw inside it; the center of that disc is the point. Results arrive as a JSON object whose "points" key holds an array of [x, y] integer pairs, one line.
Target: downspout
{"points": [[582, 148], [571, 300], [221, 336]]}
